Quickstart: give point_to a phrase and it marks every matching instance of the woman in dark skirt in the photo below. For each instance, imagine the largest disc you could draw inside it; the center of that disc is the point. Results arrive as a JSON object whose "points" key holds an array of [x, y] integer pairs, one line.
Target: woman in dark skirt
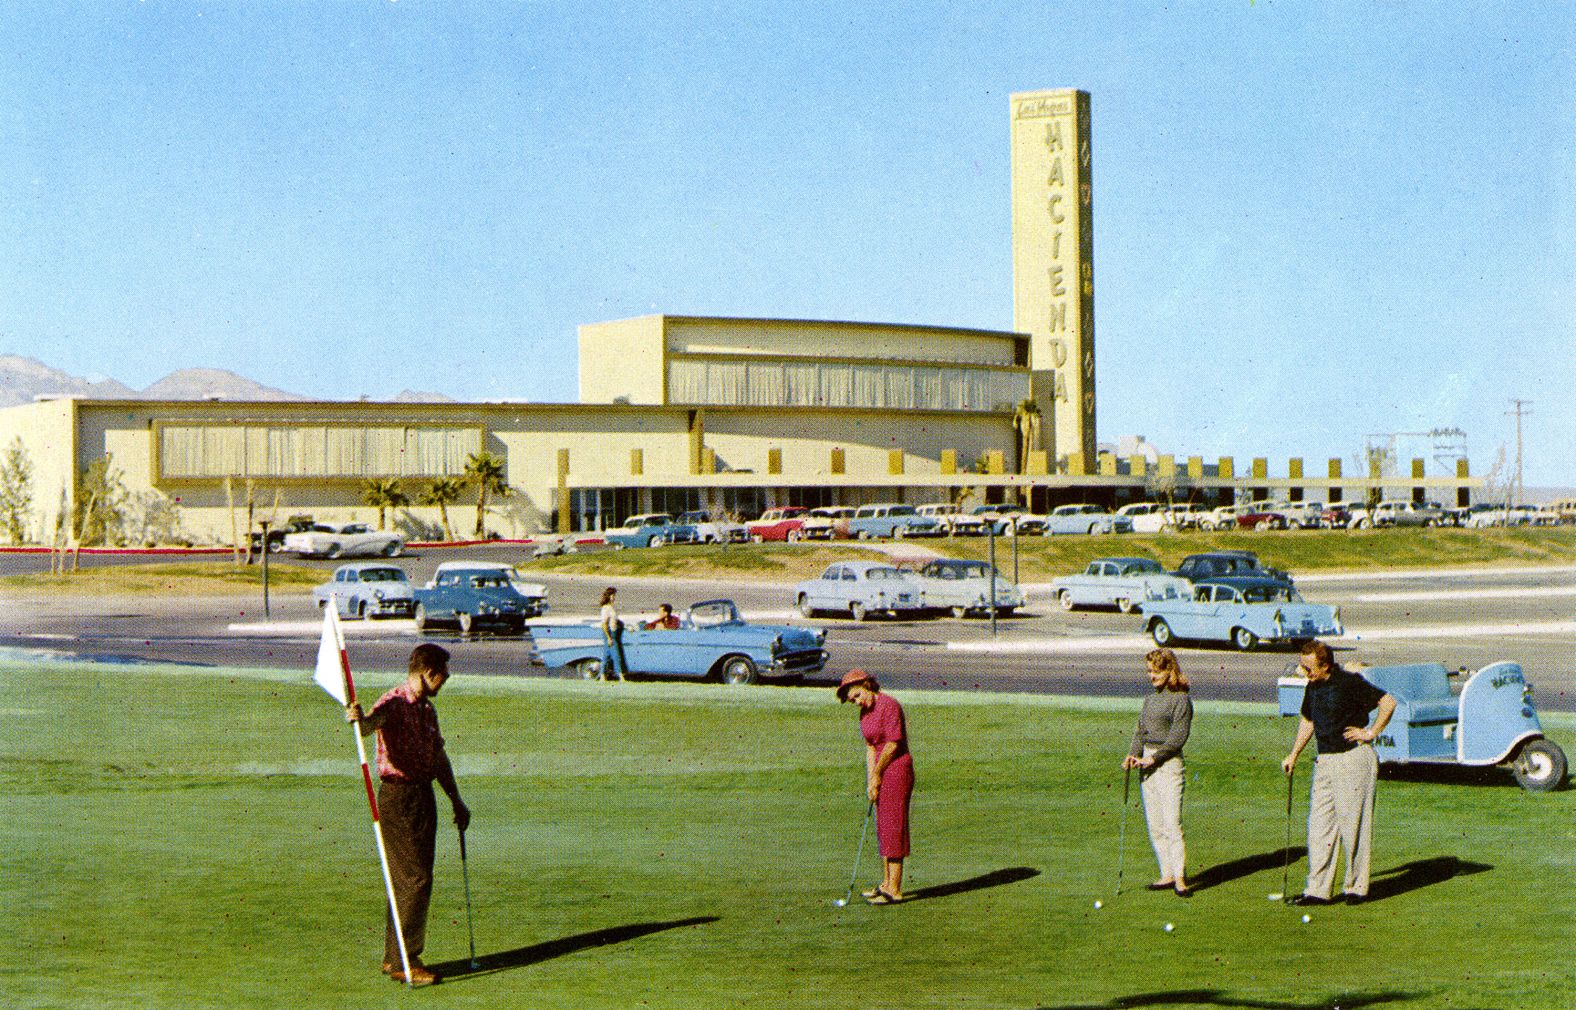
{"points": [[889, 776]]}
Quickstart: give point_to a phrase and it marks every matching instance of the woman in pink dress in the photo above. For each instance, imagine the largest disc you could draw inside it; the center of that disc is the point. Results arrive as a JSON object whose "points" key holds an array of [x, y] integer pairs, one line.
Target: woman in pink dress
{"points": [[889, 776]]}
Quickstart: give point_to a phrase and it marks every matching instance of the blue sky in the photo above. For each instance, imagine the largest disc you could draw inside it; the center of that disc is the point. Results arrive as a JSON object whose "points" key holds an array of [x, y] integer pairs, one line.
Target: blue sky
{"points": [[1313, 222]]}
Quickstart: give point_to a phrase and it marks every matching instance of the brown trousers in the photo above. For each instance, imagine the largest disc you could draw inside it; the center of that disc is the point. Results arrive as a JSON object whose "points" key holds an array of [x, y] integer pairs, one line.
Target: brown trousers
{"points": [[409, 815]]}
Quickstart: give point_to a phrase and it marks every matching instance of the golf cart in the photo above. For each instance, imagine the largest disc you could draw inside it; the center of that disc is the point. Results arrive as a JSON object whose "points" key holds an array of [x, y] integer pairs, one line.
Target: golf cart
{"points": [[1488, 720]]}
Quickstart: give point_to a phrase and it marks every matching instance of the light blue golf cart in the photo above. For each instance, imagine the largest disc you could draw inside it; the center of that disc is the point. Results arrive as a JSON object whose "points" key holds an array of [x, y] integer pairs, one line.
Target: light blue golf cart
{"points": [[1488, 720]]}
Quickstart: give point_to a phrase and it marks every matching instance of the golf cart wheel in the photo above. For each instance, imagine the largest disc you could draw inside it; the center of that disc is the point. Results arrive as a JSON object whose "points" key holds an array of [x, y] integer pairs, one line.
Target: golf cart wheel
{"points": [[805, 609], [1540, 766], [588, 669], [1243, 639], [1160, 631], [420, 617], [856, 610], [1065, 599], [739, 670], [1124, 604], [467, 622]]}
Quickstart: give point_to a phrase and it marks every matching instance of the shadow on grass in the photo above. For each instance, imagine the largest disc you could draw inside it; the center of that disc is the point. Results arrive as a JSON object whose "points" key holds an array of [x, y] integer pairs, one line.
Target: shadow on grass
{"points": [[1420, 873], [1217, 997], [1223, 873], [521, 957], [1448, 774], [995, 878]]}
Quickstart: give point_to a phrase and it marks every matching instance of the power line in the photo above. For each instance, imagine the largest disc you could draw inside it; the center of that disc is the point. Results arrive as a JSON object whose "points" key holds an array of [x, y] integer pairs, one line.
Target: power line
{"points": [[1519, 412]]}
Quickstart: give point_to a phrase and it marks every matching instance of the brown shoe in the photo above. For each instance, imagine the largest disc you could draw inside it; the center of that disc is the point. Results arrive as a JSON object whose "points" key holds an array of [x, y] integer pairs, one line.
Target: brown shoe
{"points": [[420, 974]]}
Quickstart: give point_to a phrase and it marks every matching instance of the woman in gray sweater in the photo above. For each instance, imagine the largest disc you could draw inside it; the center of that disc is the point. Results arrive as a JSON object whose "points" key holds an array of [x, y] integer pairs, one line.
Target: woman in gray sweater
{"points": [[1163, 727]]}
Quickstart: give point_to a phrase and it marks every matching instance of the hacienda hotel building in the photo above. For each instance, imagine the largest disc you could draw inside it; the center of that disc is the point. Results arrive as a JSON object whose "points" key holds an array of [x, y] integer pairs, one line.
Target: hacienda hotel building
{"points": [[732, 415]]}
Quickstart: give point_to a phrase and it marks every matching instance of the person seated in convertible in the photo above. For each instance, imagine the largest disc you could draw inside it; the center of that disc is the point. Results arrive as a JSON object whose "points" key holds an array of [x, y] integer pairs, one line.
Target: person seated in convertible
{"points": [[664, 621]]}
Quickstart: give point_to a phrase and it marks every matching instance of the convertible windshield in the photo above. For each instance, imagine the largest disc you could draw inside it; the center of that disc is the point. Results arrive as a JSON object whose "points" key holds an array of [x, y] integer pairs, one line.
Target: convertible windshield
{"points": [[709, 615]]}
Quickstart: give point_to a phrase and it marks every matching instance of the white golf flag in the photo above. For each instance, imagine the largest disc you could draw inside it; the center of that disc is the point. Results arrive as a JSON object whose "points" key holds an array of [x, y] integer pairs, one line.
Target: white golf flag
{"points": [[330, 672]]}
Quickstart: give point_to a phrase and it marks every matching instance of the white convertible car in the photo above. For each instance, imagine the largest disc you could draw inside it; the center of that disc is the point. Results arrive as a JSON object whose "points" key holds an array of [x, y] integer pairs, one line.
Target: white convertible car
{"points": [[343, 540]]}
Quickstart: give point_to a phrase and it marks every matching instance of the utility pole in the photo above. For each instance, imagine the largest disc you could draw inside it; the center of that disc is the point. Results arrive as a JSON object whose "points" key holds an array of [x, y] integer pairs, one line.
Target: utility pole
{"points": [[1518, 413]]}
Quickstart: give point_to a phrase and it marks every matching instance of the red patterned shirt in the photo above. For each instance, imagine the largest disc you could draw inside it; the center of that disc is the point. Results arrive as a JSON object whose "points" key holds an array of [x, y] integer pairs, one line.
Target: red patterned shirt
{"points": [[409, 743]]}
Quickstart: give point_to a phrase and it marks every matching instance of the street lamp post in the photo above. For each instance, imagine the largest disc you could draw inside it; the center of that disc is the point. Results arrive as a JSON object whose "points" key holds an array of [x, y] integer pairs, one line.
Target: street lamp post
{"points": [[265, 524]]}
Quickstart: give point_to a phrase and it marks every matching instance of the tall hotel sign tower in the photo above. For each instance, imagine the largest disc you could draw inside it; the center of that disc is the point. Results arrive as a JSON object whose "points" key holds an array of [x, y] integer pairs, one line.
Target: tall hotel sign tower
{"points": [[1053, 267]]}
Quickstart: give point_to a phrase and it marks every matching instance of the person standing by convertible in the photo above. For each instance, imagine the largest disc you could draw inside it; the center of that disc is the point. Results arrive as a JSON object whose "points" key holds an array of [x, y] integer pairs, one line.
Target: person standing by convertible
{"points": [[889, 776], [1335, 711], [410, 758], [1163, 727], [614, 665]]}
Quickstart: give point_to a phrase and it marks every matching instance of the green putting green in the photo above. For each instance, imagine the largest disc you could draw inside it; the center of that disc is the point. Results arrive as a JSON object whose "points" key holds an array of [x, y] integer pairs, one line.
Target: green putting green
{"points": [[200, 838]]}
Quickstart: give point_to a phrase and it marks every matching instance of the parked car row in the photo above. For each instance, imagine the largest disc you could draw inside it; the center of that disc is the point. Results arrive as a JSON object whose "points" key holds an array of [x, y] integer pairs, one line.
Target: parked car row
{"points": [[1132, 584], [863, 588], [469, 595]]}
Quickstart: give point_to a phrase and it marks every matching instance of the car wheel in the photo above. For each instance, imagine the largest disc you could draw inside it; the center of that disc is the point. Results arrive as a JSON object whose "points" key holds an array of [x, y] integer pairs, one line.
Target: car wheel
{"points": [[657, 542], [1363, 524], [588, 669], [333, 551], [392, 550], [275, 546], [960, 612], [1065, 599], [857, 610], [864, 534], [1540, 766], [756, 538], [361, 610], [420, 617], [1243, 639], [805, 610], [1124, 604], [322, 604], [794, 536], [1005, 611], [467, 621], [1160, 631], [1095, 529], [899, 532], [739, 670]]}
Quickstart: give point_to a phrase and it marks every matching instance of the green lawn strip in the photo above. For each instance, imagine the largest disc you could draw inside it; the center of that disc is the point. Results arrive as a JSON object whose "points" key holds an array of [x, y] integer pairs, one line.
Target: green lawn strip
{"points": [[1043, 558], [182, 578], [201, 840]]}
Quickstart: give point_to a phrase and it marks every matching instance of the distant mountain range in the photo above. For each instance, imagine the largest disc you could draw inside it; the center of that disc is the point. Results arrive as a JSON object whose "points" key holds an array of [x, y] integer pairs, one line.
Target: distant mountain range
{"points": [[23, 380]]}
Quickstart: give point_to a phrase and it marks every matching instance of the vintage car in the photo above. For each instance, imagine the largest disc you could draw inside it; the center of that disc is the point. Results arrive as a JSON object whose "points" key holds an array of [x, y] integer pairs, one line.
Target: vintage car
{"points": [[335, 540], [1243, 515], [829, 523], [861, 588], [1488, 720], [1407, 513], [712, 642], [1186, 515], [472, 597], [1011, 520], [777, 524], [1146, 516], [367, 589], [277, 534], [1090, 519], [654, 529], [711, 529], [891, 520], [1216, 564], [535, 593], [1124, 583], [964, 587], [1302, 515], [954, 521], [1242, 610]]}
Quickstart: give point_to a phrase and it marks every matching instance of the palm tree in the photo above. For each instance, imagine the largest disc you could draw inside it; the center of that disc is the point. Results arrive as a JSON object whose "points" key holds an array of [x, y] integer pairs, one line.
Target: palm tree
{"points": [[487, 472], [383, 493], [442, 492]]}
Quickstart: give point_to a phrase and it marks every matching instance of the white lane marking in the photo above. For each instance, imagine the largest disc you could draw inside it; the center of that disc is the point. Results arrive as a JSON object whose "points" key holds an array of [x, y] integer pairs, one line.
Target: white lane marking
{"points": [[1467, 594], [1102, 643], [395, 626]]}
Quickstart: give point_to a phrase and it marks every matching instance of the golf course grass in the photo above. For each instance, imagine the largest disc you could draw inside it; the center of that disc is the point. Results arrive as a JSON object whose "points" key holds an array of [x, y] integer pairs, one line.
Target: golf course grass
{"points": [[200, 838]]}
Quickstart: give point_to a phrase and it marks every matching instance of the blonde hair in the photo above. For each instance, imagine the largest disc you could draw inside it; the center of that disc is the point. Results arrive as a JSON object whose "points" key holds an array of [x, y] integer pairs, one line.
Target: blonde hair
{"points": [[1165, 661]]}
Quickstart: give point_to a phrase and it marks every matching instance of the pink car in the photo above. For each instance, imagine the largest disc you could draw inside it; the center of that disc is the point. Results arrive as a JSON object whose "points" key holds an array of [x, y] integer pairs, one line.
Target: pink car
{"points": [[777, 524]]}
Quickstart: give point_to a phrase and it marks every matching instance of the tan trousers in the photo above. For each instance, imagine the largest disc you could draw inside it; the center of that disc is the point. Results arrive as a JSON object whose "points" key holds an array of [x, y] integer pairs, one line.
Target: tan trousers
{"points": [[1161, 789], [1341, 812]]}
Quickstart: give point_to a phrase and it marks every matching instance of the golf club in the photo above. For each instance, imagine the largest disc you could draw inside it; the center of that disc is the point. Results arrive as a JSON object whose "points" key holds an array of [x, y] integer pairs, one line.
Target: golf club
{"points": [[1121, 838], [469, 929], [858, 857], [1286, 862]]}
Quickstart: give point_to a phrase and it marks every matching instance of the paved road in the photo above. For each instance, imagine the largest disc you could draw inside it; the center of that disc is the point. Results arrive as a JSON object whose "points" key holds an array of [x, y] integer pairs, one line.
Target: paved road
{"points": [[1460, 619]]}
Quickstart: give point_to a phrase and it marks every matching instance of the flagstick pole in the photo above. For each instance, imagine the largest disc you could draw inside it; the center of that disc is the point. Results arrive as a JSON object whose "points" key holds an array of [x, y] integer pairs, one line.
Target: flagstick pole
{"points": [[372, 802]]}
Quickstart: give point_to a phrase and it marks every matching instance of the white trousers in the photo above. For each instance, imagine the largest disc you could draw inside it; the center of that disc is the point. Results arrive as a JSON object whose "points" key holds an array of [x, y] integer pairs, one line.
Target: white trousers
{"points": [[1341, 813], [1161, 789]]}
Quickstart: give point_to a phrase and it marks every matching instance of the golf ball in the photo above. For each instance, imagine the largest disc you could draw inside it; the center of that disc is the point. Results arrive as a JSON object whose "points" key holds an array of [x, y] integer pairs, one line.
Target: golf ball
{"points": [[1307, 918], [839, 902], [1169, 927], [1099, 904]]}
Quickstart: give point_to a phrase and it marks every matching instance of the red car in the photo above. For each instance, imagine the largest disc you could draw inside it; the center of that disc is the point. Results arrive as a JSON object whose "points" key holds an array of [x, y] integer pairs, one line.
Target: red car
{"points": [[777, 524]]}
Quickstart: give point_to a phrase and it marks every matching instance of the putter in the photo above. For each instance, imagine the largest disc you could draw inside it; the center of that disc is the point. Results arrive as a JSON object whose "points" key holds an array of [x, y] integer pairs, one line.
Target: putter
{"points": [[858, 857], [1286, 863], [1121, 838], [469, 929]]}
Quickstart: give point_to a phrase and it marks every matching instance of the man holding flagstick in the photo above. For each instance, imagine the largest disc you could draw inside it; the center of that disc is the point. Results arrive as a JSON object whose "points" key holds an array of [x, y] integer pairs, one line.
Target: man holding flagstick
{"points": [[410, 756]]}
